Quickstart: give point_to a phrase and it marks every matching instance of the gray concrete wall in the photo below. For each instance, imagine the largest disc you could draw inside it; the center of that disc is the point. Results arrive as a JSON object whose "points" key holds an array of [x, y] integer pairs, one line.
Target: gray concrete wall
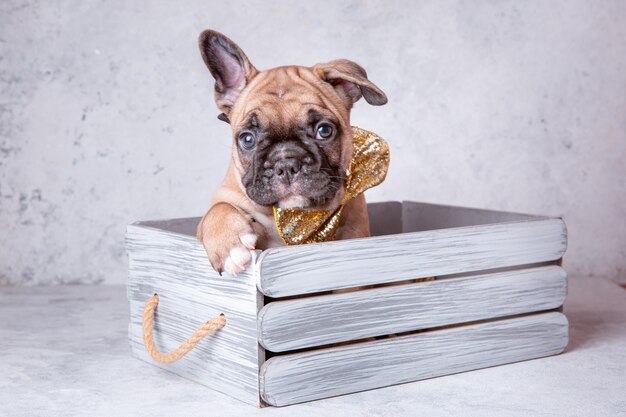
{"points": [[106, 115]]}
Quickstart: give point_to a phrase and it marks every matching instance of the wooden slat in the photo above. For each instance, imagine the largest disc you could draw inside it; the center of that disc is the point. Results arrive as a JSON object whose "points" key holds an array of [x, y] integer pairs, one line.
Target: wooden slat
{"points": [[289, 379], [175, 266], [321, 320], [306, 269]]}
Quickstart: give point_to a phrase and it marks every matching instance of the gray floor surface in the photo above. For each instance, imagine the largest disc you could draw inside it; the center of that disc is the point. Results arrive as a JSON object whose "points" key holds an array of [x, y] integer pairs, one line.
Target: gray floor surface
{"points": [[64, 352]]}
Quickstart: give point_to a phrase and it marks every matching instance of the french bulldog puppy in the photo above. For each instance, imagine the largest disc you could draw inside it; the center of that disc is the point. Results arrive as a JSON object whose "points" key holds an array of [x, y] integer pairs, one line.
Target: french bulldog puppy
{"points": [[291, 146]]}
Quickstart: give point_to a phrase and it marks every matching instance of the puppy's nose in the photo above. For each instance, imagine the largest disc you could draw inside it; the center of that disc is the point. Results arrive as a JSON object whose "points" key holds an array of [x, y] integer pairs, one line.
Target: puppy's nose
{"points": [[285, 169]]}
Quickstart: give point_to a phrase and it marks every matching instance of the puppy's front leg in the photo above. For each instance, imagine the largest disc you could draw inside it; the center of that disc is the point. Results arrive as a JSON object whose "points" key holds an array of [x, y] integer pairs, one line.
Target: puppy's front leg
{"points": [[228, 235]]}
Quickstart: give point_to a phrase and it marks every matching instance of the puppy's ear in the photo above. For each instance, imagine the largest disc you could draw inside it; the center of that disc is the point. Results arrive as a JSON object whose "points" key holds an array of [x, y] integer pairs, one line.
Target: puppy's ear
{"points": [[350, 80], [229, 66]]}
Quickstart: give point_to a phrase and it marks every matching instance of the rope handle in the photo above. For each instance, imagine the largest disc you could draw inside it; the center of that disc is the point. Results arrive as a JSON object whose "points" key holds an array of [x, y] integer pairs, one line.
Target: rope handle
{"points": [[171, 357]]}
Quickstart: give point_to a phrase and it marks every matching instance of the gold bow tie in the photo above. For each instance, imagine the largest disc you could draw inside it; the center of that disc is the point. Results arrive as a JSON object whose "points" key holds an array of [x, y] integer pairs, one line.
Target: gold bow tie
{"points": [[368, 168]]}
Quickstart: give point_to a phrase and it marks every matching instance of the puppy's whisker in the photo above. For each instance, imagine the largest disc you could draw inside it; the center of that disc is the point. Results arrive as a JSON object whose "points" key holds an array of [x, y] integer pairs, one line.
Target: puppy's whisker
{"points": [[334, 176]]}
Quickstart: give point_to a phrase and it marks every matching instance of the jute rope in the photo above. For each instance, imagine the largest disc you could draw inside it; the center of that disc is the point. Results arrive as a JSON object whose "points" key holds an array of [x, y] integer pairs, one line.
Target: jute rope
{"points": [[183, 349]]}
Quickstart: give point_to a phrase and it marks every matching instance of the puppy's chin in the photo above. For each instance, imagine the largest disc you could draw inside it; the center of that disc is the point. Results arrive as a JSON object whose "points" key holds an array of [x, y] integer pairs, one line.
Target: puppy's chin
{"points": [[294, 201], [330, 202]]}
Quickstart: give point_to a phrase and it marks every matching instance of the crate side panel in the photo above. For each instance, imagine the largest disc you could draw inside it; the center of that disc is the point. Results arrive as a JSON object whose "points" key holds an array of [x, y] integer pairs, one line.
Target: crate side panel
{"points": [[306, 269], [326, 319], [418, 217], [329, 372], [385, 218], [184, 226], [190, 292]]}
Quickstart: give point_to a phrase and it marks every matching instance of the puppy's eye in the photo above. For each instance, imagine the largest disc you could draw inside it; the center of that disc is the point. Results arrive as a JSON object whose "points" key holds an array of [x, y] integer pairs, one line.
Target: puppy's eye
{"points": [[246, 140], [324, 131]]}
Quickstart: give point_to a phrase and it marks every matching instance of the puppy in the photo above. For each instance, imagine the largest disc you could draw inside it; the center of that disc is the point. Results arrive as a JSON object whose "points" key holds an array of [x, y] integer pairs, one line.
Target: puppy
{"points": [[292, 144]]}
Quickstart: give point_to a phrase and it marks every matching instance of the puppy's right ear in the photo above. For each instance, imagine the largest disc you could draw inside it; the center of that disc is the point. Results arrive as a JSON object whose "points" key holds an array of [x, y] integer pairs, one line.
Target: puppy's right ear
{"points": [[229, 66]]}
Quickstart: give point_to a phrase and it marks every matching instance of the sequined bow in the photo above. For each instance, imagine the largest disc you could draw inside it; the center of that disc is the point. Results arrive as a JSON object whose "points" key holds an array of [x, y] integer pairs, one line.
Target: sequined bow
{"points": [[368, 168]]}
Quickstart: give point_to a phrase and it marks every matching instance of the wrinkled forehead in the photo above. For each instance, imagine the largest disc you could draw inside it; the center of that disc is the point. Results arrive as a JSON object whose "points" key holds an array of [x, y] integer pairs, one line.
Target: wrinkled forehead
{"points": [[281, 96]]}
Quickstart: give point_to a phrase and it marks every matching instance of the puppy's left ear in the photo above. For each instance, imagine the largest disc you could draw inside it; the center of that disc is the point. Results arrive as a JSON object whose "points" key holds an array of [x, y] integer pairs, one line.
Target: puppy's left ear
{"points": [[350, 81], [228, 65]]}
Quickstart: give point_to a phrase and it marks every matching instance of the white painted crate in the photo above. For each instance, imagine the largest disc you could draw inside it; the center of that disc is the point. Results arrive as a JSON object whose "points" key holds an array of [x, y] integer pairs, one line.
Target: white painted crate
{"points": [[496, 300]]}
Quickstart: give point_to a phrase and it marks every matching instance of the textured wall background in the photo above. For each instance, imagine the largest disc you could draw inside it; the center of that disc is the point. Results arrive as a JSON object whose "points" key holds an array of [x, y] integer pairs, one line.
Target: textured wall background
{"points": [[107, 115]]}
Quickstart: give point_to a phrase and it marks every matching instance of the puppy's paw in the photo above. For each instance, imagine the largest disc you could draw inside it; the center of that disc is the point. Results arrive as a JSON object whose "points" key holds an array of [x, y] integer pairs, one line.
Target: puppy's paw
{"points": [[240, 255], [228, 238], [231, 253]]}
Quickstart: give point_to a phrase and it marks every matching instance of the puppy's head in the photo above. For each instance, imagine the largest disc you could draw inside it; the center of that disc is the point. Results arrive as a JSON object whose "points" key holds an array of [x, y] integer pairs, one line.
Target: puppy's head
{"points": [[291, 125]]}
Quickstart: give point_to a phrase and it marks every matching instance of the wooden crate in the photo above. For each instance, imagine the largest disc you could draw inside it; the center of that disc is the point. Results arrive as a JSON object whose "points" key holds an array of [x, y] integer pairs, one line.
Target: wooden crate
{"points": [[496, 299]]}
